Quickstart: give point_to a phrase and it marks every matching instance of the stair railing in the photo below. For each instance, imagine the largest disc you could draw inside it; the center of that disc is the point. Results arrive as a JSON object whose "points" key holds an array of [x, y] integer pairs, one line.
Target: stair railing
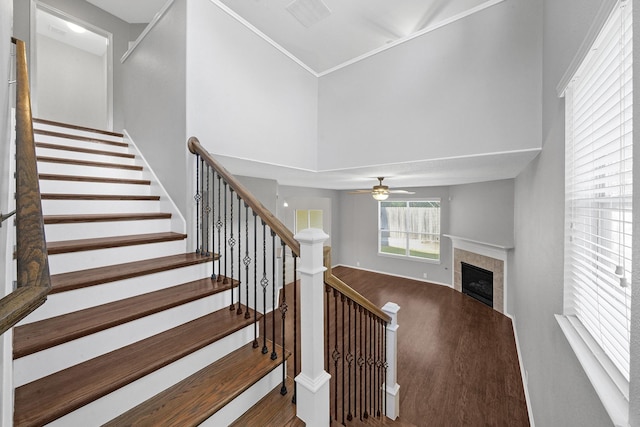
{"points": [[361, 352], [33, 281], [249, 242], [359, 345]]}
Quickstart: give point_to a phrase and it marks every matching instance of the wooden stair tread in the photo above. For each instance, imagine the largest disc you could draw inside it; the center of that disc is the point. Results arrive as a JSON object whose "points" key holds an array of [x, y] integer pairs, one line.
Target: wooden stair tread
{"points": [[111, 242], [79, 138], [201, 395], [67, 219], [84, 278], [274, 409], [38, 336], [77, 127], [64, 161], [69, 196], [58, 394], [83, 150], [57, 177]]}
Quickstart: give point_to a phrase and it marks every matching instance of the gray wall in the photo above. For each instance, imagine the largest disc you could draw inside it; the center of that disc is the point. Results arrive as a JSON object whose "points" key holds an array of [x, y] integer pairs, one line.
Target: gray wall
{"points": [[358, 237], [154, 77], [121, 30], [467, 88], [561, 394], [71, 84], [483, 211]]}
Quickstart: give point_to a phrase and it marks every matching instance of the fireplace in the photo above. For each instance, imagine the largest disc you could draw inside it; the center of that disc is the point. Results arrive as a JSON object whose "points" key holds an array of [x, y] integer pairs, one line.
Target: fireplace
{"points": [[477, 283]]}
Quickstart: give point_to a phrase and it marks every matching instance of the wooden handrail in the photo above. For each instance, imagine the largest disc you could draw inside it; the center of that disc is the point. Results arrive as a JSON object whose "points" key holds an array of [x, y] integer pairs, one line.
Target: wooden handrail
{"points": [[274, 223], [348, 291], [33, 280]]}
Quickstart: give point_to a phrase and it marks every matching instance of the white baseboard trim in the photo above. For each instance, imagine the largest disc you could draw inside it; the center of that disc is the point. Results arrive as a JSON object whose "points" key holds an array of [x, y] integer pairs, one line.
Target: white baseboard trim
{"points": [[394, 275], [525, 379]]}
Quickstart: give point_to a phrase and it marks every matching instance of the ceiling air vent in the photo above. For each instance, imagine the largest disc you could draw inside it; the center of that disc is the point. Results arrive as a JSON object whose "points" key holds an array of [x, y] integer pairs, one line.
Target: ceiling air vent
{"points": [[308, 12]]}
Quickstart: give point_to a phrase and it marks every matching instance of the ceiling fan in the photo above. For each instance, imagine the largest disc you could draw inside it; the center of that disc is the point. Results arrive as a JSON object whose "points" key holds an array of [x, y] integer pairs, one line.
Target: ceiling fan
{"points": [[381, 192]]}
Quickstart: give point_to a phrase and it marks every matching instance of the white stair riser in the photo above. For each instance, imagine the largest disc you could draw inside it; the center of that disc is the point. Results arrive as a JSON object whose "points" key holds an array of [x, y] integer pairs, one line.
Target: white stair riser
{"points": [[71, 131], [68, 207], [80, 187], [73, 261], [46, 362], [75, 155], [80, 143], [79, 299], [238, 406], [89, 230], [93, 171], [125, 398]]}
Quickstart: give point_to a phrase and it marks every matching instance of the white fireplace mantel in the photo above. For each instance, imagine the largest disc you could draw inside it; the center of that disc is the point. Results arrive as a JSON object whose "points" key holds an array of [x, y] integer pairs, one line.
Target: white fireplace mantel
{"points": [[492, 250]]}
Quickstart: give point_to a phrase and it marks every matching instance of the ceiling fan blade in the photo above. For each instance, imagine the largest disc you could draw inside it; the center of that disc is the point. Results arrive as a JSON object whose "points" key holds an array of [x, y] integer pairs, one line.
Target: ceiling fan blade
{"points": [[359, 192], [401, 192]]}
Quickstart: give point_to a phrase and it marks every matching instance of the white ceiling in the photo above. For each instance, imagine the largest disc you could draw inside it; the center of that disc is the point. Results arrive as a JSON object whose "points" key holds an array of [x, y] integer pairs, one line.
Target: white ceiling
{"points": [[350, 30], [58, 29]]}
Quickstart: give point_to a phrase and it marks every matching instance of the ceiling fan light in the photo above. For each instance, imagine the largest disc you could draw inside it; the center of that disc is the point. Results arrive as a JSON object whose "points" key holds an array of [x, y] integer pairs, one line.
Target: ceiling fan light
{"points": [[380, 195]]}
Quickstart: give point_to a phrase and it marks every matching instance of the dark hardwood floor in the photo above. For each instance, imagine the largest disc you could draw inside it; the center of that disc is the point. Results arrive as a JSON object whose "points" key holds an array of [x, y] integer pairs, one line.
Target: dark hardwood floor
{"points": [[457, 364]]}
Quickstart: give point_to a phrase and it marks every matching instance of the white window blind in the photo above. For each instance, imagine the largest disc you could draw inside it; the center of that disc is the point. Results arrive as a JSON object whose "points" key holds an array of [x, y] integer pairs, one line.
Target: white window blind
{"points": [[598, 191]]}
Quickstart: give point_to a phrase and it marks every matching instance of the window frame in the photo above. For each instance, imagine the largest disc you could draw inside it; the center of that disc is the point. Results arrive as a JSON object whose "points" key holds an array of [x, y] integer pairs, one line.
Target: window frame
{"points": [[407, 255]]}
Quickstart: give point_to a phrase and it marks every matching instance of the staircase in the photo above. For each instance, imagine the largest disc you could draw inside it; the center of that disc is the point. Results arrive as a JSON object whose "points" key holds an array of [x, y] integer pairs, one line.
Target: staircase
{"points": [[135, 331]]}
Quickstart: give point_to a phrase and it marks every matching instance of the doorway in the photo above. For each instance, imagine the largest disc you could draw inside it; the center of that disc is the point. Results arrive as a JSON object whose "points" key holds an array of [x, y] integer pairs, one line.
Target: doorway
{"points": [[71, 69]]}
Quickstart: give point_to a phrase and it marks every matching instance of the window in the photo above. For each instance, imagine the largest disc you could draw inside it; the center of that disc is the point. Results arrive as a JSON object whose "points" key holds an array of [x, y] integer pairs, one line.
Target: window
{"points": [[410, 229], [598, 201], [308, 218]]}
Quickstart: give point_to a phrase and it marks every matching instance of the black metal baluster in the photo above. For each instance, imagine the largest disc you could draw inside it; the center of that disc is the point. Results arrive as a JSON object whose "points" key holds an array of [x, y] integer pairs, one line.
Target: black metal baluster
{"points": [[385, 366], [197, 198], [377, 366], [380, 364], [336, 353], [367, 343], [264, 282], [361, 363], [231, 242], [342, 298], [205, 224], [214, 276], [274, 355], [203, 209], [247, 260], [226, 277], [349, 360], [370, 364], [239, 311], [374, 392], [255, 280], [219, 227], [283, 310], [327, 330], [295, 325]]}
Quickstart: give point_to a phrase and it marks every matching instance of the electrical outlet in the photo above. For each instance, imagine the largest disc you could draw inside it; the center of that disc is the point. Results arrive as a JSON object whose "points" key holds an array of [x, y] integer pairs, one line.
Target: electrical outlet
{"points": [[357, 263], [424, 275]]}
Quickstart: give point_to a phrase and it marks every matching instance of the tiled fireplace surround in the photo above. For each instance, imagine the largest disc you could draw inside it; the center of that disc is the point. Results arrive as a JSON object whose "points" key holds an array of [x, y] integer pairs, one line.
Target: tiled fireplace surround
{"points": [[489, 256]]}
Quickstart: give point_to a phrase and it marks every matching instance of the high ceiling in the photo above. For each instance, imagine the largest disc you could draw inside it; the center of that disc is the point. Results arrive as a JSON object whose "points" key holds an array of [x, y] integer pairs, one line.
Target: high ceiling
{"points": [[324, 35]]}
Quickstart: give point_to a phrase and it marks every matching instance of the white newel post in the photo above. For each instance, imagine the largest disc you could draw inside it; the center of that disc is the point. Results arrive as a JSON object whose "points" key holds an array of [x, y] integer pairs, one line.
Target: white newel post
{"points": [[392, 389], [312, 398]]}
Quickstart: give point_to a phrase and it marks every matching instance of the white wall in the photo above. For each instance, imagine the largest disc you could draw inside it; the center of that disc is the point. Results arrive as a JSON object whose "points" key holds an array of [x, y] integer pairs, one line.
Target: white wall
{"points": [[245, 98], [561, 394], [154, 77], [6, 359], [483, 212], [467, 88], [71, 84]]}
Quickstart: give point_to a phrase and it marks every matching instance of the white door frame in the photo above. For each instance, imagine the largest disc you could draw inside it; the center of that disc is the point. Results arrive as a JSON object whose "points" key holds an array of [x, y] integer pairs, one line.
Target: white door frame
{"points": [[36, 4]]}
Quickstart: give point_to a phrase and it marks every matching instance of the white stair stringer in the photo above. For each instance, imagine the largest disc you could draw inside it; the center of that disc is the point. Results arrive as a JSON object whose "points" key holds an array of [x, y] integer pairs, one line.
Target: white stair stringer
{"points": [[108, 407], [40, 364], [73, 261], [79, 299]]}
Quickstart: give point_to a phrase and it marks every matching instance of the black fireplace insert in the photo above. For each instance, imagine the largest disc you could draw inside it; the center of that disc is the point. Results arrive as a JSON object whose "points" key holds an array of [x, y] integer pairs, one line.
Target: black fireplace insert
{"points": [[477, 283]]}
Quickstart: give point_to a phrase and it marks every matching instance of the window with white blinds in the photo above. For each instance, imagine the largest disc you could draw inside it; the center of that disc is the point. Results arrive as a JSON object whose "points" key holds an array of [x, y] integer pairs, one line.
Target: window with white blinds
{"points": [[598, 192]]}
